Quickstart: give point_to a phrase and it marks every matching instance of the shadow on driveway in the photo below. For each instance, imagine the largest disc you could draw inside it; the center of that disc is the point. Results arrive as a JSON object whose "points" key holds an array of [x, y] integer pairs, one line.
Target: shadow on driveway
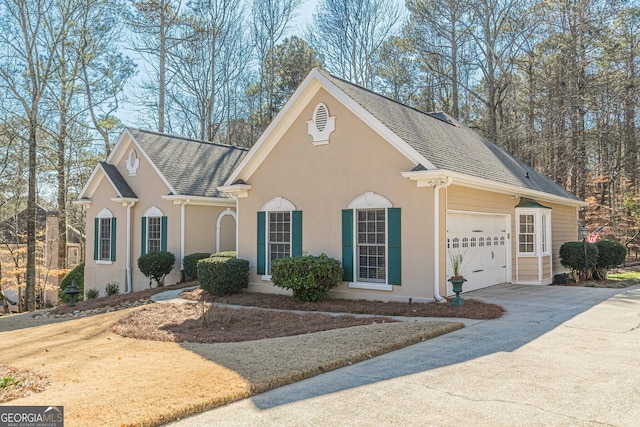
{"points": [[532, 311]]}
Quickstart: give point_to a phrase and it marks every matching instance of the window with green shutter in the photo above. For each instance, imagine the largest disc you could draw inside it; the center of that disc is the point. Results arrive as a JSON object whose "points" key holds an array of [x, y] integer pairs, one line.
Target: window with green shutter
{"points": [[279, 235], [104, 244], [371, 245]]}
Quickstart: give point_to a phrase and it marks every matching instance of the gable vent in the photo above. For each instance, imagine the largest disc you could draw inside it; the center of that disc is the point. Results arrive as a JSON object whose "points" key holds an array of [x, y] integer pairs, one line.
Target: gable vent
{"points": [[321, 125], [322, 115]]}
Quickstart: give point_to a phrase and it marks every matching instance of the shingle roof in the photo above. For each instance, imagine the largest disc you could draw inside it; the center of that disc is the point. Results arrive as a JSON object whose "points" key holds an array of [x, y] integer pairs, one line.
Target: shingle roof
{"points": [[122, 187], [192, 167], [449, 145]]}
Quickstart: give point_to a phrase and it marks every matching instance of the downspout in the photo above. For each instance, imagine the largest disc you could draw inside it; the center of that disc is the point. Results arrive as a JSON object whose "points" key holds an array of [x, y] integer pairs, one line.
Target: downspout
{"points": [[436, 235], [182, 231], [129, 284]]}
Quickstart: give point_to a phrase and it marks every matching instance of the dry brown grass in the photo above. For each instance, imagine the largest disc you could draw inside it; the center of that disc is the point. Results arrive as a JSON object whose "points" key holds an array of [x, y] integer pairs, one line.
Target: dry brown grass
{"points": [[98, 375]]}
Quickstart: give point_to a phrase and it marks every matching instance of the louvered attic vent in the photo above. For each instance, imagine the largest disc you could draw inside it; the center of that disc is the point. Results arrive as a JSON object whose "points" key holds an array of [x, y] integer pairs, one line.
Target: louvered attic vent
{"points": [[321, 125]]}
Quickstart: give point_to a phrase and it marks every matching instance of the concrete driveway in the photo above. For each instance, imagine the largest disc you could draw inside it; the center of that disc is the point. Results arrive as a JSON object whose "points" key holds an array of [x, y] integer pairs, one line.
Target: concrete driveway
{"points": [[561, 356]]}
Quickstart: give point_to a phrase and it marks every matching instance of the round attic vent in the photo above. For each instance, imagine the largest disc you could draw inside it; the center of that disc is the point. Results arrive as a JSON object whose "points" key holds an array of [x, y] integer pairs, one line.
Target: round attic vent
{"points": [[321, 115]]}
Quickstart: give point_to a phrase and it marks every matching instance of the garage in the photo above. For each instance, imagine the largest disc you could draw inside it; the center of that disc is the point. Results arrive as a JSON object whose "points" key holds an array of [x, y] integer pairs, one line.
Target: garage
{"points": [[483, 242]]}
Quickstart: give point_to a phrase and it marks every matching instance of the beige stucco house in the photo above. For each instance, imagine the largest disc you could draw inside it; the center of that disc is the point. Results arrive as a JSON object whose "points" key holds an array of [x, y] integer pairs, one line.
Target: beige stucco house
{"points": [[393, 193], [156, 192]]}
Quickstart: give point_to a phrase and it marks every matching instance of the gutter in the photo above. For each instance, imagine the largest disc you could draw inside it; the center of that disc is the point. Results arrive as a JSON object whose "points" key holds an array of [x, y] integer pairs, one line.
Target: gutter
{"points": [[182, 231], [129, 284]]}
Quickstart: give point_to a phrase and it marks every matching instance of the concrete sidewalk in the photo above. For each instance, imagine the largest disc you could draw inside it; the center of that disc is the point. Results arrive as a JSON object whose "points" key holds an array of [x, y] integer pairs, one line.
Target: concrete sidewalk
{"points": [[561, 356]]}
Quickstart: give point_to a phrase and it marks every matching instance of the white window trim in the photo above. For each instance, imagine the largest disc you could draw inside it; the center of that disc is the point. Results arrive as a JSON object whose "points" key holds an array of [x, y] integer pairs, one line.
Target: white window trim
{"points": [[277, 204], [104, 214], [226, 212], [370, 200], [152, 212], [538, 216]]}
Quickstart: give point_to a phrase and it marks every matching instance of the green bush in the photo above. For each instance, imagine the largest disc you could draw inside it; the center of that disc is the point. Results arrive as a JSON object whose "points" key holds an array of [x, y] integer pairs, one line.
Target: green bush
{"points": [[191, 263], [309, 277], [223, 275], [93, 293], [225, 254], [610, 255], [76, 274], [572, 255], [112, 288], [156, 265]]}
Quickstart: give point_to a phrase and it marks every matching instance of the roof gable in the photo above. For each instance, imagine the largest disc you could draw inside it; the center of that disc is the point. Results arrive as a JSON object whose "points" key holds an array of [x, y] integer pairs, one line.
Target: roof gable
{"points": [[432, 141]]}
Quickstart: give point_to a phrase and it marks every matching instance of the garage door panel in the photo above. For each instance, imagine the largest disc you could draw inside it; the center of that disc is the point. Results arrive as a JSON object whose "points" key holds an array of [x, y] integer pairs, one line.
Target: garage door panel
{"points": [[481, 240]]}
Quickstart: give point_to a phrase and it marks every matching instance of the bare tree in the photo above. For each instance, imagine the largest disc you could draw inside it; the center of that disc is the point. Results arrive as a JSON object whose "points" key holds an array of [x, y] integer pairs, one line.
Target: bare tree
{"points": [[349, 34]]}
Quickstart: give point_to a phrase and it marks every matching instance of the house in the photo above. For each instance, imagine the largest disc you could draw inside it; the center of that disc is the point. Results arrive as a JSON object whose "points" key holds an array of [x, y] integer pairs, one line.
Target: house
{"points": [[156, 192], [13, 244], [394, 193]]}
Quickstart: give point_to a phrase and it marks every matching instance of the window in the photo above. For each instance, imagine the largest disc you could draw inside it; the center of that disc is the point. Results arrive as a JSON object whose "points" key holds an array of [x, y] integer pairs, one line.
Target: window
{"points": [[154, 231], [279, 233], [526, 234], [546, 226], [104, 245], [372, 265], [371, 243], [465, 242]]}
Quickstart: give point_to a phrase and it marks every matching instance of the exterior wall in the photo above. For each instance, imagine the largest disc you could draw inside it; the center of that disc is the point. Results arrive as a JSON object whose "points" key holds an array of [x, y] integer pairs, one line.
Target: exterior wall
{"points": [[201, 224], [527, 269], [96, 274], [564, 226], [322, 180]]}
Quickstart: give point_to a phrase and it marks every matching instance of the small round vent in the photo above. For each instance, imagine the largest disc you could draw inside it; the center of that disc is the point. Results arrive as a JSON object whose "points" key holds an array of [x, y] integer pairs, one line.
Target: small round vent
{"points": [[321, 117]]}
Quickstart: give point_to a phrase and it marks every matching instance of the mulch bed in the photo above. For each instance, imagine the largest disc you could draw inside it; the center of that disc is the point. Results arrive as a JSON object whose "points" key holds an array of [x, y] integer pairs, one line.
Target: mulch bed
{"points": [[16, 383], [472, 309], [207, 323]]}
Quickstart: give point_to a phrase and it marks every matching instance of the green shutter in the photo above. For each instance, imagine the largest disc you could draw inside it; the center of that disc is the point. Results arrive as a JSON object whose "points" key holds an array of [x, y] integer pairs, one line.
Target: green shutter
{"points": [[163, 233], [347, 245], [394, 259], [143, 239], [96, 239], [261, 262], [296, 233], [113, 239]]}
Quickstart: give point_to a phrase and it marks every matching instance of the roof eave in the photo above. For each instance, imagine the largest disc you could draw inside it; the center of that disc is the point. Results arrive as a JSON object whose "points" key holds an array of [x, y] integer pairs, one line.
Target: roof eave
{"points": [[179, 199], [236, 190], [425, 179]]}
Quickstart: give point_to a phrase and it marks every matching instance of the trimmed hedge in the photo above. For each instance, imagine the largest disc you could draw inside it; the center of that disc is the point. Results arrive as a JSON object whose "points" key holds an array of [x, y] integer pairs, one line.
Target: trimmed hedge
{"points": [[223, 274], [191, 264], [572, 255], [156, 265], [309, 277], [76, 274], [610, 255]]}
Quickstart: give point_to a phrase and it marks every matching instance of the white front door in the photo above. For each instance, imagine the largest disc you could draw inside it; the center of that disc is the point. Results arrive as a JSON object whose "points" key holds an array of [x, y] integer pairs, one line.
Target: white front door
{"points": [[481, 240]]}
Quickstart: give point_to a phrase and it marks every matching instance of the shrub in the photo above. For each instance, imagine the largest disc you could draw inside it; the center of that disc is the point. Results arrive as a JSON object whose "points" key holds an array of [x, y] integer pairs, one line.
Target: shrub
{"points": [[572, 255], [191, 263], [156, 265], [309, 277], [93, 293], [223, 275], [225, 254], [610, 255], [112, 288], [76, 274]]}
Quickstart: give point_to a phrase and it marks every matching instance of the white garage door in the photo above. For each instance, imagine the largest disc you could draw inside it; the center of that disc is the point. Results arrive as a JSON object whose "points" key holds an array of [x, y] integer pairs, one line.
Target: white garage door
{"points": [[482, 242]]}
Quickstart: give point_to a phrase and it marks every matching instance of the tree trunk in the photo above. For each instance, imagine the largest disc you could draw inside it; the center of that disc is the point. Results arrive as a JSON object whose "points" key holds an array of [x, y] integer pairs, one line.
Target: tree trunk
{"points": [[30, 292]]}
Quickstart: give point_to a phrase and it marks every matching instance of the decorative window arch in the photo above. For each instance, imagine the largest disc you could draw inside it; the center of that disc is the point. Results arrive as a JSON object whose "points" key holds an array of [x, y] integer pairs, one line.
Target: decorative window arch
{"points": [[104, 237], [154, 231], [279, 233], [321, 124], [371, 242], [226, 212]]}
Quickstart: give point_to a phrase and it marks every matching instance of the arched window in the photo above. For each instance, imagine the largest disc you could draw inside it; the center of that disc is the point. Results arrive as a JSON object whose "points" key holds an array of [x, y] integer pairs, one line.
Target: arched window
{"points": [[279, 232], [104, 245], [465, 242]]}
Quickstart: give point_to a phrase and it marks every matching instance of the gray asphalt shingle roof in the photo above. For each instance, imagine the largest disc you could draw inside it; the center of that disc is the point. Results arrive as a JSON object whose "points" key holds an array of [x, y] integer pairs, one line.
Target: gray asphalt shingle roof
{"points": [[118, 181], [449, 145], [192, 167]]}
